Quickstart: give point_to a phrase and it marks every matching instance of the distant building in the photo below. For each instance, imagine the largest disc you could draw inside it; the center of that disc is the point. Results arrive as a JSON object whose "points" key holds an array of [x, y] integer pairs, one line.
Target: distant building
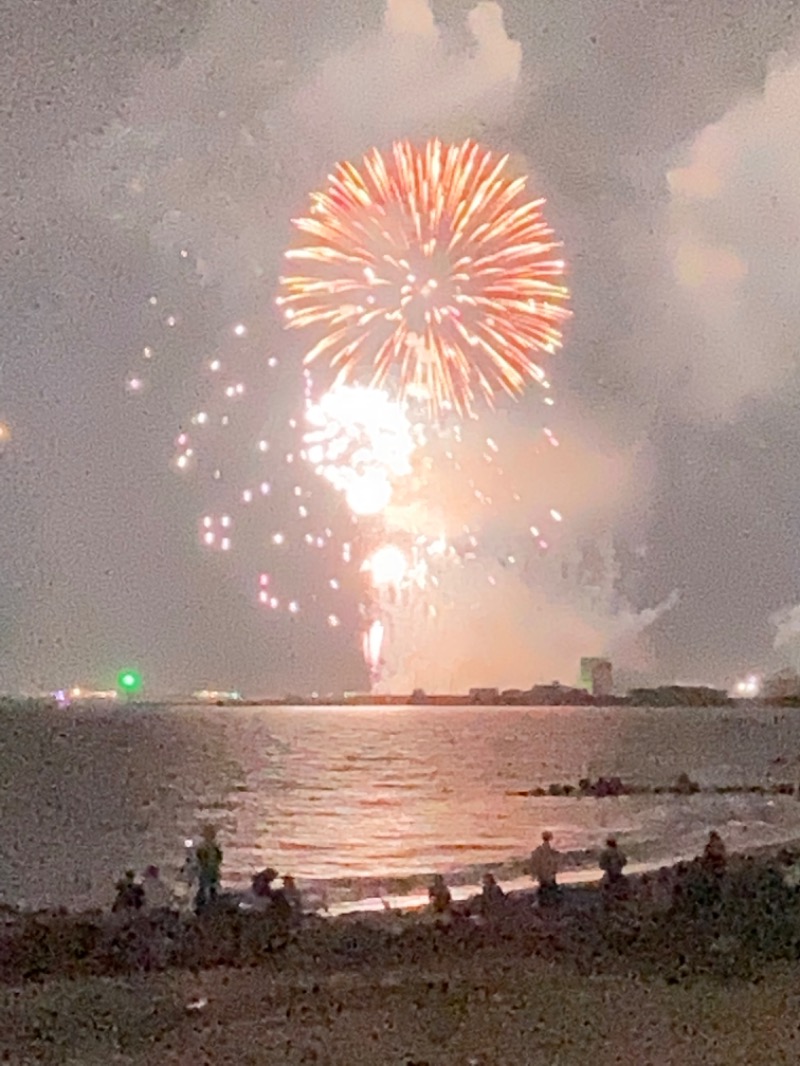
{"points": [[484, 696], [597, 676], [513, 696]]}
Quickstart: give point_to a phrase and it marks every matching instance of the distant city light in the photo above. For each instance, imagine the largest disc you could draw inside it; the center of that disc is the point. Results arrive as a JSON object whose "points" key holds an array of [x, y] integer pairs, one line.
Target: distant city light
{"points": [[749, 688]]}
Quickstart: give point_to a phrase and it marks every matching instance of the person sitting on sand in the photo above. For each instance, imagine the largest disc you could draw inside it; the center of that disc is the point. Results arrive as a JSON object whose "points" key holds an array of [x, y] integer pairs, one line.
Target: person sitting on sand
{"points": [[612, 863], [715, 855], [544, 868], [492, 898], [264, 899], [208, 857], [157, 895], [441, 902], [262, 894], [130, 896]]}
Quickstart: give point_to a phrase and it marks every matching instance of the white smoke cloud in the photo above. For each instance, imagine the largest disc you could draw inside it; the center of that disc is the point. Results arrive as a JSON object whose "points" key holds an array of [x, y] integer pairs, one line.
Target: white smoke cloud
{"points": [[413, 18], [409, 83], [485, 626], [536, 592], [787, 635], [215, 154], [733, 224]]}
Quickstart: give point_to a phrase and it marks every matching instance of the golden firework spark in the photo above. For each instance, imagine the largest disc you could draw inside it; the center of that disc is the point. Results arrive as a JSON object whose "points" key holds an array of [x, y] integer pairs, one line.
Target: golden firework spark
{"points": [[430, 270]]}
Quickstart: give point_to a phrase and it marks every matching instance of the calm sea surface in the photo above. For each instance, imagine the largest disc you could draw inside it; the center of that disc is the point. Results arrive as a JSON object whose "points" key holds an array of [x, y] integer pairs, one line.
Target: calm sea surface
{"points": [[358, 801]]}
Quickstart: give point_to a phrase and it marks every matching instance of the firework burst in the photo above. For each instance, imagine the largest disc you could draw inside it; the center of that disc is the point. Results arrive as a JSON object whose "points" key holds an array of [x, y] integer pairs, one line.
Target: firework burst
{"points": [[430, 271]]}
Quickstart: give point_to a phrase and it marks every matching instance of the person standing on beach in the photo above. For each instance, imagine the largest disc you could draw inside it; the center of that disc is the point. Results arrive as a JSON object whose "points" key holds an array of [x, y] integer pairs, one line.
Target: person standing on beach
{"points": [[715, 855], [544, 868], [209, 864], [612, 862], [492, 899], [441, 902]]}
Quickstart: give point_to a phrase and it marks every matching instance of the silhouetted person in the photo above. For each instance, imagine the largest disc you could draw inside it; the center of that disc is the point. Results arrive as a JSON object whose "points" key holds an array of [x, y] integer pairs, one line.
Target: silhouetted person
{"points": [[441, 902], [186, 882], [492, 898], [130, 896], [544, 868], [262, 883], [208, 857], [612, 863], [262, 894], [715, 855]]}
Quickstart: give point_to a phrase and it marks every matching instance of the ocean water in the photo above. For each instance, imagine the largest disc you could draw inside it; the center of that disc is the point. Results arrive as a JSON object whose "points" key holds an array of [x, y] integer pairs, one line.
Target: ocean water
{"points": [[363, 802]]}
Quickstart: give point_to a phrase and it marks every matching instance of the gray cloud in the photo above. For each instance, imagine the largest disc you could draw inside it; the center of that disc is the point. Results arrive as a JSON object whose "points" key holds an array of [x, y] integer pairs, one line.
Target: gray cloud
{"points": [[735, 252], [134, 135]]}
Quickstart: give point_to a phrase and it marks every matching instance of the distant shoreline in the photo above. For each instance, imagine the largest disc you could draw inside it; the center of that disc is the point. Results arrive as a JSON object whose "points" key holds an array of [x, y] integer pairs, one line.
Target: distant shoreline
{"points": [[668, 698]]}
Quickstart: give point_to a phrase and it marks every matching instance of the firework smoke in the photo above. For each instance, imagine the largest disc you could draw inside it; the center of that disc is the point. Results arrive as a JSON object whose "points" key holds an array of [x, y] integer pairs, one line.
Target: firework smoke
{"points": [[228, 220]]}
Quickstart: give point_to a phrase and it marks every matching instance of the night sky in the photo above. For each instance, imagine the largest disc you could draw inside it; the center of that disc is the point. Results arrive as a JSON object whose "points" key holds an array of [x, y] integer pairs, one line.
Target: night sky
{"points": [[666, 138]]}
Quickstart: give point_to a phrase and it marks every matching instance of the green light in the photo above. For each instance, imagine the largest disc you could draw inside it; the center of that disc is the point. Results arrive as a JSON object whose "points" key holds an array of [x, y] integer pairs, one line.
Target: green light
{"points": [[129, 681]]}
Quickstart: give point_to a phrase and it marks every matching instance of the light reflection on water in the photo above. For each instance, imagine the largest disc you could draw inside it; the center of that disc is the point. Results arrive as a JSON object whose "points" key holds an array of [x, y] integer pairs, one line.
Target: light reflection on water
{"points": [[378, 796]]}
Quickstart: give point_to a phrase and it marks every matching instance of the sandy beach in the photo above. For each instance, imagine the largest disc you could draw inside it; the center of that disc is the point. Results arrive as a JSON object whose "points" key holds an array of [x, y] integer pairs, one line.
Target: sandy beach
{"points": [[486, 1011], [706, 976]]}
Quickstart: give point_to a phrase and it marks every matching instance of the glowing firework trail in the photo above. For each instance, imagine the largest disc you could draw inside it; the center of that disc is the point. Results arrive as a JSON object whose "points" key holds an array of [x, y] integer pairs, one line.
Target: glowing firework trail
{"points": [[428, 269], [373, 644], [360, 442]]}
